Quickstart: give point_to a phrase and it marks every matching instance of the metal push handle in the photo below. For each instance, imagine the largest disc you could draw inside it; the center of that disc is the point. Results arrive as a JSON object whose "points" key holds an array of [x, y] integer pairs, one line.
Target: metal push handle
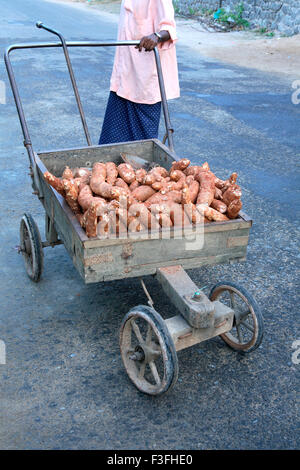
{"points": [[14, 87], [39, 24]]}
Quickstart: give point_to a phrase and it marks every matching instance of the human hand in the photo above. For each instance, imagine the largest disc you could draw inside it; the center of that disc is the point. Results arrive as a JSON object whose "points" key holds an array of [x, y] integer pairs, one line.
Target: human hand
{"points": [[148, 43]]}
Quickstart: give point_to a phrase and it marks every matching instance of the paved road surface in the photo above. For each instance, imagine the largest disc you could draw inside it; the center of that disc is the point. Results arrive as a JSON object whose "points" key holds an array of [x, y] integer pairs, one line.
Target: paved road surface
{"points": [[64, 386]]}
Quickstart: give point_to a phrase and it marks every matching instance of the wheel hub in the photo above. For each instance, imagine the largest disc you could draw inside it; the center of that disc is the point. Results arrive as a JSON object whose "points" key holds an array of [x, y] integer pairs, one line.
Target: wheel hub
{"points": [[138, 354], [145, 353], [239, 316]]}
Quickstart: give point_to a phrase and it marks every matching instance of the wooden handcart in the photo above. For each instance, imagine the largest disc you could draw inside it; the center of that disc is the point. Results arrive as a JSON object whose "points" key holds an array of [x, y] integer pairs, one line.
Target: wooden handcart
{"points": [[148, 343]]}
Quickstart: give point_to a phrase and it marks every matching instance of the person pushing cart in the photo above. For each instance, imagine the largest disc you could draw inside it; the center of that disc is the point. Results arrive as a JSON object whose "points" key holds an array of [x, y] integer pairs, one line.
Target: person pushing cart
{"points": [[134, 103]]}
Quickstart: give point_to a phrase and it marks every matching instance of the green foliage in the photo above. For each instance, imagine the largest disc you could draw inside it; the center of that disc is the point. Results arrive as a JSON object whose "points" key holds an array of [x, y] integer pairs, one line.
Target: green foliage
{"points": [[235, 16], [264, 32], [261, 30], [192, 11], [206, 11]]}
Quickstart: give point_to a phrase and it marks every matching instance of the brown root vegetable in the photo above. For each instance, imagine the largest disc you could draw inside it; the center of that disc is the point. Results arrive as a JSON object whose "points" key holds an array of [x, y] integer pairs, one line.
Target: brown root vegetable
{"points": [[234, 208], [117, 227], [140, 175], [219, 183], [134, 225], [177, 215], [149, 179], [159, 173], [192, 170], [231, 180], [232, 192], [81, 186], [55, 182], [71, 195], [146, 218], [85, 198], [111, 172], [99, 170], [210, 213], [108, 191], [170, 213], [174, 196], [223, 185], [126, 172], [98, 177], [189, 179], [96, 219], [157, 198], [161, 213], [103, 226], [142, 193], [108, 205], [121, 228], [161, 170], [160, 185], [219, 206], [82, 173], [180, 164], [168, 186], [179, 184], [218, 193], [194, 190], [164, 220], [91, 221], [176, 175], [178, 180], [120, 183], [185, 195], [122, 214], [82, 180], [194, 216], [101, 207], [105, 190], [135, 184], [67, 174], [80, 218], [207, 187]]}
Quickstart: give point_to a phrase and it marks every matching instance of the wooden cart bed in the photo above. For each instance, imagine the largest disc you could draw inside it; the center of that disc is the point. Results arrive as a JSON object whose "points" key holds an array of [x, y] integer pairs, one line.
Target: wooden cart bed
{"points": [[108, 259]]}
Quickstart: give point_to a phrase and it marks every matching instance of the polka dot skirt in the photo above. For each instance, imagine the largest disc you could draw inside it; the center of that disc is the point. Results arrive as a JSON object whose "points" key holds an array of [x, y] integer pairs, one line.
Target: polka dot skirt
{"points": [[125, 121]]}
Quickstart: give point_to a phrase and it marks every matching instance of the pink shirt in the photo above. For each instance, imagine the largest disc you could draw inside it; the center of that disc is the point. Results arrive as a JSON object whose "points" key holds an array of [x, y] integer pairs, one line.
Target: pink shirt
{"points": [[134, 75]]}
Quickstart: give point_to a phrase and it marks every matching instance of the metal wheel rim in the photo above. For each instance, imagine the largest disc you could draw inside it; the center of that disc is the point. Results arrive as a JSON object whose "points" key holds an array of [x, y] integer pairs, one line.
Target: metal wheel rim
{"points": [[134, 370], [26, 239], [228, 337]]}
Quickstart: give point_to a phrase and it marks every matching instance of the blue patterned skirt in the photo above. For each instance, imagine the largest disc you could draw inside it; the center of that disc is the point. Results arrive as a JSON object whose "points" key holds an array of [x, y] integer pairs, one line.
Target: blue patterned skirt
{"points": [[125, 121]]}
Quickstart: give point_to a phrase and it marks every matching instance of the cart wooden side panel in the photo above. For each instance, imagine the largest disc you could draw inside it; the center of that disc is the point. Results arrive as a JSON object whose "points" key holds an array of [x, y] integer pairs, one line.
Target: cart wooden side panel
{"points": [[101, 260]]}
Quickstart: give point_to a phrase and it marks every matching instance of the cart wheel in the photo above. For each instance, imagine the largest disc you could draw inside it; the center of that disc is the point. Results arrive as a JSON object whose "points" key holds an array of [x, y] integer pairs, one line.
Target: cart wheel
{"points": [[31, 247], [248, 327], [148, 351]]}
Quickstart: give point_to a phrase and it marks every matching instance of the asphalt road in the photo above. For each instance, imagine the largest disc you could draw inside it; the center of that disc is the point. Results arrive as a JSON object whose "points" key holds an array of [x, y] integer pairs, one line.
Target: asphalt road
{"points": [[63, 385]]}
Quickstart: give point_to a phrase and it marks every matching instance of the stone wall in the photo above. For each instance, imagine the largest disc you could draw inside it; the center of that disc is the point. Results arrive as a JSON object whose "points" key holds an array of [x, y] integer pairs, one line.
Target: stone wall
{"points": [[281, 15]]}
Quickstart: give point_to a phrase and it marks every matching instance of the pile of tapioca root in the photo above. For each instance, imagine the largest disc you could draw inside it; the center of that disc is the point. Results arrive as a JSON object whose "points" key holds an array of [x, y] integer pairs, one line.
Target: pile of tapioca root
{"points": [[112, 199]]}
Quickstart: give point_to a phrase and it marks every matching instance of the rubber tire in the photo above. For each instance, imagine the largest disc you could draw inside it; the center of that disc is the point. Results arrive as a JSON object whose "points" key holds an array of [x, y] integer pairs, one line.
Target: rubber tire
{"points": [[172, 361], [256, 310], [34, 269]]}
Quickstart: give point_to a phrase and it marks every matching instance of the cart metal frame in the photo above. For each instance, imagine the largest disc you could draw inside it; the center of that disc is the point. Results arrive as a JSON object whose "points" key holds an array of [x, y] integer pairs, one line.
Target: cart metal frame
{"points": [[165, 257]]}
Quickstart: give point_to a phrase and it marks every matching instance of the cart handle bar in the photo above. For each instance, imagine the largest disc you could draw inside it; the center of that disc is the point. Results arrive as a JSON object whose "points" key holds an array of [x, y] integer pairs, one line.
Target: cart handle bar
{"points": [[14, 87], [39, 24]]}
